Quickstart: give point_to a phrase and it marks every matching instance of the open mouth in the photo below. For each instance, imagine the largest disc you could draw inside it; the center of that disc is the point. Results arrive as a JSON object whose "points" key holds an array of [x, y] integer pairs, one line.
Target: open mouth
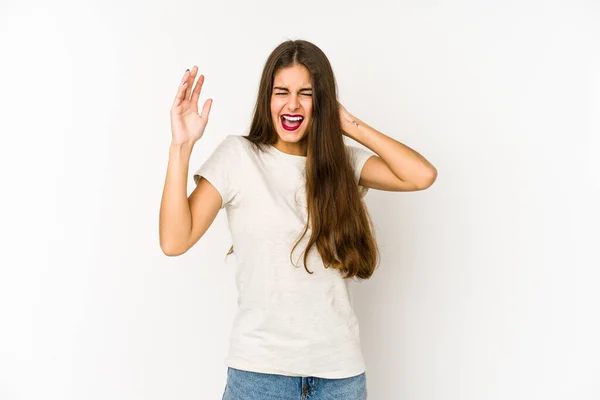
{"points": [[291, 123]]}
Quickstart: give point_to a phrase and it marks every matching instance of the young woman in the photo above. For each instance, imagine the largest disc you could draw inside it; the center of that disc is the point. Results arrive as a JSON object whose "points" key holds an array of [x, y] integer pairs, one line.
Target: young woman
{"points": [[293, 193]]}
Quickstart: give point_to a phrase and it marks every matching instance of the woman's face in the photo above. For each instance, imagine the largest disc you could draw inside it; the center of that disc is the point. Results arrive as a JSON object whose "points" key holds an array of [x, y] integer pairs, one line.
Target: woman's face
{"points": [[291, 98]]}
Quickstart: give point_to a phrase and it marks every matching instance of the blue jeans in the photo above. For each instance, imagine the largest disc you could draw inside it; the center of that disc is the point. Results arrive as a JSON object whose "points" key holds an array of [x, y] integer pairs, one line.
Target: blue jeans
{"points": [[246, 385]]}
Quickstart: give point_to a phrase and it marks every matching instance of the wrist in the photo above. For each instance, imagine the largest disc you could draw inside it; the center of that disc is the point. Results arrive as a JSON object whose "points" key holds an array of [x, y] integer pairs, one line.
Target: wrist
{"points": [[182, 145], [179, 150], [351, 126]]}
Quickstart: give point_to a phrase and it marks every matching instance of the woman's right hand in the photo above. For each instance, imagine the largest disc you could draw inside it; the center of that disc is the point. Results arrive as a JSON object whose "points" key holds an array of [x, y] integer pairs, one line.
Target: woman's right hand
{"points": [[187, 126]]}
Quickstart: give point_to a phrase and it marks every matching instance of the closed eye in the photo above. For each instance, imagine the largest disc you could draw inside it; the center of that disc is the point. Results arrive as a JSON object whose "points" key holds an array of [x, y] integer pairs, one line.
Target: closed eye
{"points": [[283, 94]]}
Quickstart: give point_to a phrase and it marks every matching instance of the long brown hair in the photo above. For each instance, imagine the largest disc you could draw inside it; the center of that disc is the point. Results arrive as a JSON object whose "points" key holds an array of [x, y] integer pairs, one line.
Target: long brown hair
{"points": [[341, 226]]}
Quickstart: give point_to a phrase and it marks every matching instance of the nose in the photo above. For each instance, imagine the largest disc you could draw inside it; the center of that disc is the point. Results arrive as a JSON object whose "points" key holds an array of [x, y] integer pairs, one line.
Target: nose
{"points": [[293, 104]]}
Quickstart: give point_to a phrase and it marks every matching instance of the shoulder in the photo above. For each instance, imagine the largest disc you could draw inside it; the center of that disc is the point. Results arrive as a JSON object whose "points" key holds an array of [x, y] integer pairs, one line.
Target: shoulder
{"points": [[230, 146], [236, 142], [243, 146], [237, 151], [232, 141], [358, 156]]}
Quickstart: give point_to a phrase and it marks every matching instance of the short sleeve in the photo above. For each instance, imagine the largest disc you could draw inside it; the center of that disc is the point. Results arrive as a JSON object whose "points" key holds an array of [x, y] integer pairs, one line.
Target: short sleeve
{"points": [[358, 158], [220, 169]]}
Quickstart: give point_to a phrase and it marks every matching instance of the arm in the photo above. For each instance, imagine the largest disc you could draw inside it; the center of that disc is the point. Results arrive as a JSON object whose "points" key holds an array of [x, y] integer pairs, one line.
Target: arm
{"points": [[183, 221], [396, 167]]}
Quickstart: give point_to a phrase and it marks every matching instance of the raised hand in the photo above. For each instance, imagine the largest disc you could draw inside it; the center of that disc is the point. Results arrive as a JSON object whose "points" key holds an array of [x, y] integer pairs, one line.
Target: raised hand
{"points": [[187, 126]]}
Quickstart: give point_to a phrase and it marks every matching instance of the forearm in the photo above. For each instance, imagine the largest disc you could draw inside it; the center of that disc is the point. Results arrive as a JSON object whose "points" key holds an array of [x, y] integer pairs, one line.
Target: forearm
{"points": [[175, 221], [407, 164]]}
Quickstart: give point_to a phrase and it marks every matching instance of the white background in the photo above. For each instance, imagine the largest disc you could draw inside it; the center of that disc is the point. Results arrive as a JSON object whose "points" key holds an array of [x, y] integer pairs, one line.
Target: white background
{"points": [[488, 283]]}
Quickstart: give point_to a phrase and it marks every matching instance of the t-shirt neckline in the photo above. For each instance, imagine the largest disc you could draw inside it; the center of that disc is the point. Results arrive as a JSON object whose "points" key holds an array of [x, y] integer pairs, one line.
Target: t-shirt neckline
{"points": [[300, 160]]}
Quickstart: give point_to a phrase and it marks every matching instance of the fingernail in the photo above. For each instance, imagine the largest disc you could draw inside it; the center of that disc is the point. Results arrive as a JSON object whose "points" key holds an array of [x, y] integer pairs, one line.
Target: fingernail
{"points": [[187, 70]]}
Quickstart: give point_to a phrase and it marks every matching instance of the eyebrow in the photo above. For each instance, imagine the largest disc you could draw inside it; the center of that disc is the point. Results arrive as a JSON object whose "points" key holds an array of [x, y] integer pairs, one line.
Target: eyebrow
{"points": [[284, 88]]}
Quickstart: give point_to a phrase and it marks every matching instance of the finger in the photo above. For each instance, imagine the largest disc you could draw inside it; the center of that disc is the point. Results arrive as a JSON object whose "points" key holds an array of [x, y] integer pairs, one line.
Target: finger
{"points": [[206, 109], [190, 82], [181, 89], [197, 90]]}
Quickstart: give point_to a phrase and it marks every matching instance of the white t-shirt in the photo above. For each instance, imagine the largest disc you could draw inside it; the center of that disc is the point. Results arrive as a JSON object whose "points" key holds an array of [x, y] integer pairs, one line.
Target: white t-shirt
{"points": [[288, 322]]}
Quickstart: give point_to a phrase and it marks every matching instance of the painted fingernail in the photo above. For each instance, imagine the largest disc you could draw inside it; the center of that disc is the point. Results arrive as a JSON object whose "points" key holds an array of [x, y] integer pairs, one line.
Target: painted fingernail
{"points": [[187, 70]]}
